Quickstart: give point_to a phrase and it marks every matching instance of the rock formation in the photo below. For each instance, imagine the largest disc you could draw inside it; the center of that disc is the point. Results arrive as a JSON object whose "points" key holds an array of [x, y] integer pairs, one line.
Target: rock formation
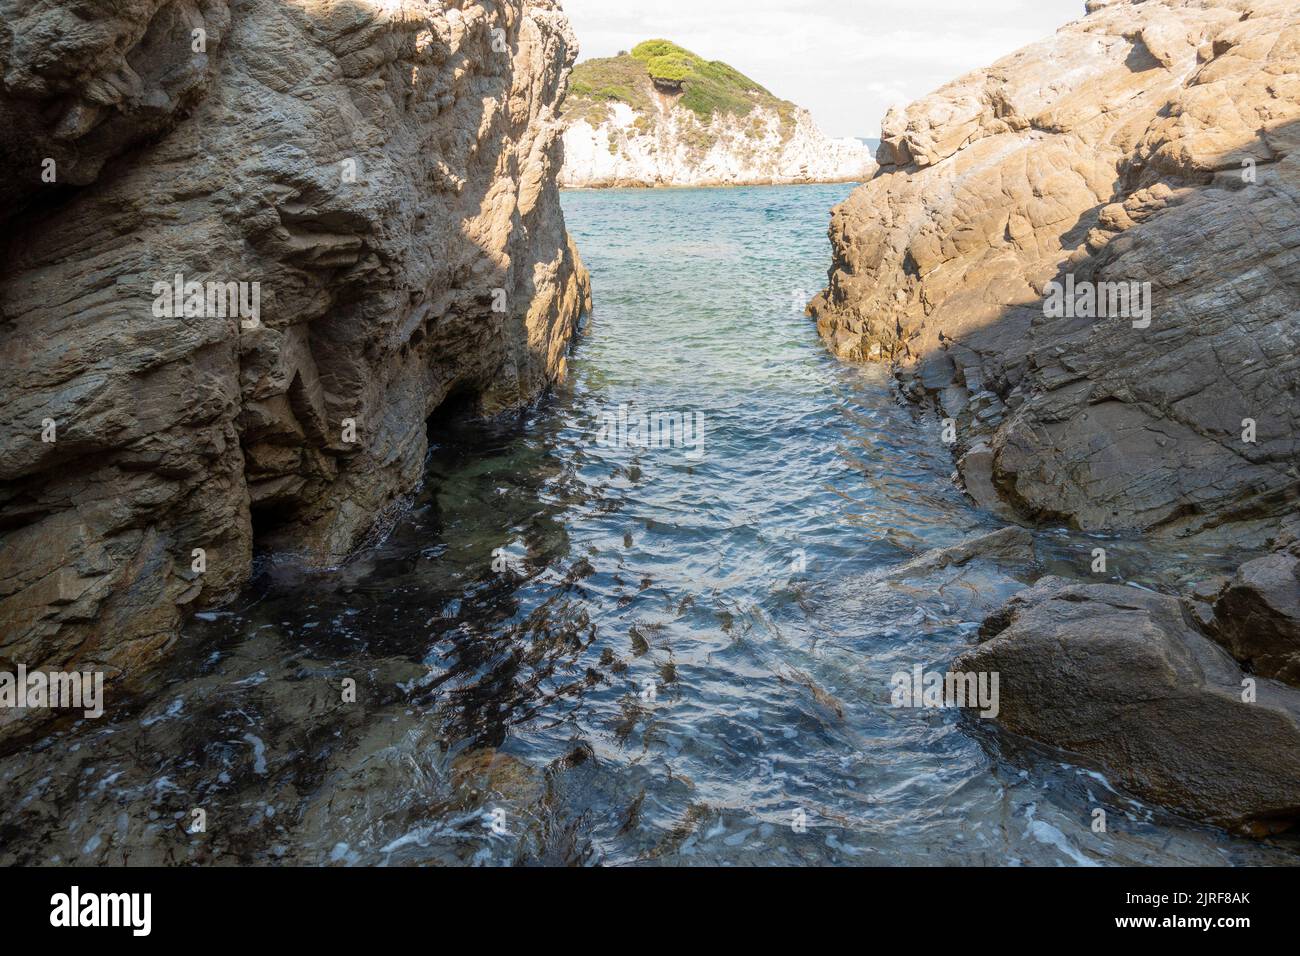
{"points": [[1118, 676], [1087, 258], [251, 250], [662, 116], [1255, 614], [1150, 142]]}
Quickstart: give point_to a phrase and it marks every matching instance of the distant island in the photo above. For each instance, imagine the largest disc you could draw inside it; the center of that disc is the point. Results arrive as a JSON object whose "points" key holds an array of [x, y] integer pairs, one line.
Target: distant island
{"points": [[663, 116]]}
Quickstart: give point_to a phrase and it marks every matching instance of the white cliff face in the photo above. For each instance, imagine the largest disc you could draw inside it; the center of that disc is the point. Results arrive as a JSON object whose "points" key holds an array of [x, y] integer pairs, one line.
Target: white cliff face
{"points": [[674, 147]]}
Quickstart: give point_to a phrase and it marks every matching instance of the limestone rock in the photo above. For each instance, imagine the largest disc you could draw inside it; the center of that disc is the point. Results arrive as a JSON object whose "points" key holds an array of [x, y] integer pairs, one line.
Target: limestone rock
{"points": [[382, 175], [1150, 142], [1119, 677], [715, 127], [680, 152]]}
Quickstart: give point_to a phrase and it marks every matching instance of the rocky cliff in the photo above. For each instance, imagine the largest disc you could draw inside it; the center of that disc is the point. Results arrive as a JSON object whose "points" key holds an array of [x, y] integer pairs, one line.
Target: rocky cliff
{"points": [[1087, 259], [251, 249], [1148, 143], [662, 116]]}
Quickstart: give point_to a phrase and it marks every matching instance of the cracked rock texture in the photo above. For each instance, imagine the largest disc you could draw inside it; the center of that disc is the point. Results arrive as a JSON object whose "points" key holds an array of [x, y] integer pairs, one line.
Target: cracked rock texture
{"points": [[384, 171], [1147, 142]]}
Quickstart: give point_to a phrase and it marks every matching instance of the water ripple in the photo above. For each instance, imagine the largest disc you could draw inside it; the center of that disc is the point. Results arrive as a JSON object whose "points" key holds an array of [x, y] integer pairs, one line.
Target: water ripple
{"points": [[683, 659]]}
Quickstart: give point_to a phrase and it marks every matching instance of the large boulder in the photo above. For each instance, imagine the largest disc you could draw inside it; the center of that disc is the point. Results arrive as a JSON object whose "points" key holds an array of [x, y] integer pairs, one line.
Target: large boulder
{"points": [[382, 174], [1120, 678], [1256, 616]]}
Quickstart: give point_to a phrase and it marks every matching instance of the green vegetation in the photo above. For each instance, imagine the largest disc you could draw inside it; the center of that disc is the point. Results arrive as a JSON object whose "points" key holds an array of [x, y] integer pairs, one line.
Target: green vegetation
{"points": [[612, 79], [705, 87]]}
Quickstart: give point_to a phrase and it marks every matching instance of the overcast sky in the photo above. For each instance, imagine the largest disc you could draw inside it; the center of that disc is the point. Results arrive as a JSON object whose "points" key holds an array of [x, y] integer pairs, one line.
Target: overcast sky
{"points": [[846, 60]]}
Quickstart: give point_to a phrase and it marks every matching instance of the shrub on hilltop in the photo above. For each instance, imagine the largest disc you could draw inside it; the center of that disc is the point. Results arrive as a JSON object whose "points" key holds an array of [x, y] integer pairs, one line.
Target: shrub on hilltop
{"points": [[705, 87]]}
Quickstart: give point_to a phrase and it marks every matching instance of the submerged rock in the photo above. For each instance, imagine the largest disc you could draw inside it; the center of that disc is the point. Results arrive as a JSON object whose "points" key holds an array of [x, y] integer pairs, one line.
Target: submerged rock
{"points": [[1119, 677], [971, 578], [1006, 547], [373, 184]]}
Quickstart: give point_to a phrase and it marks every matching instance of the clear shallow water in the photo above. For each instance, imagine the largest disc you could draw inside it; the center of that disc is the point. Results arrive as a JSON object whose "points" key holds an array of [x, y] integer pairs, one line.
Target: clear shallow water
{"points": [[521, 697]]}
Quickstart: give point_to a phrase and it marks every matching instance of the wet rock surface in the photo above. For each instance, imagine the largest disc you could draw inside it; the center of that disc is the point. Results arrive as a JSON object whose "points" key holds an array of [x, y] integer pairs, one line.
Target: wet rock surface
{"points": [[972, 577], [1119, 677], [1008, 547], [1256, 616], [383, 175]]}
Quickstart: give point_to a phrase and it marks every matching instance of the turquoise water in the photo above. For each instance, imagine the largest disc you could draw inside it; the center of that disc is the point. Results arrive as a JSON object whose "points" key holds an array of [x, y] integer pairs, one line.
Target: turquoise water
{"points": [[571, 651]]}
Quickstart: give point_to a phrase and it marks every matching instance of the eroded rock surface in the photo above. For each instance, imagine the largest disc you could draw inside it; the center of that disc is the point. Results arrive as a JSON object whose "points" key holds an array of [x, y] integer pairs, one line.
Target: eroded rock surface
{"points": [[1121, 678], [1151, 142], [385, 174]]}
